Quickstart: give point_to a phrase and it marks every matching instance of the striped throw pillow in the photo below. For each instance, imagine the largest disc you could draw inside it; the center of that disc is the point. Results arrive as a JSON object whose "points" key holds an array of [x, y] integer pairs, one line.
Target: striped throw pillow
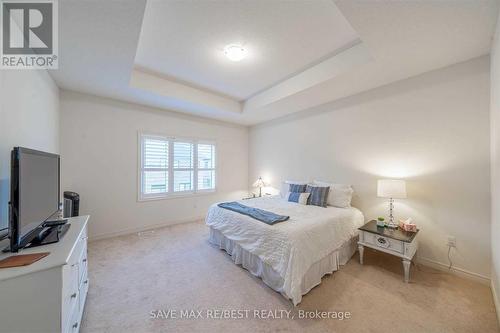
{"points": [[297, 188], [318, 195]]}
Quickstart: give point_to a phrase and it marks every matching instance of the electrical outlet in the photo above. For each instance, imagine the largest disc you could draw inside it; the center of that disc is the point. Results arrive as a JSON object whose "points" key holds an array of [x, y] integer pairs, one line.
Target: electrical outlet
{"points": [[452, 241]]}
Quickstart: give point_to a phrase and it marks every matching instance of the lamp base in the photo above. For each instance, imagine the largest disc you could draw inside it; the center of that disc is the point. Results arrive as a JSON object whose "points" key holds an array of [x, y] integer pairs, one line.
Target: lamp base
{"points": [[392, 225]]}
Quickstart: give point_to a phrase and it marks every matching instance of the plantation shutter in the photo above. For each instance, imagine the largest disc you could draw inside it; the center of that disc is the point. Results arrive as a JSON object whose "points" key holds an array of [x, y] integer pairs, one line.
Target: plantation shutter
{"points": [[155, 165], [206, 166], [183, 167]]}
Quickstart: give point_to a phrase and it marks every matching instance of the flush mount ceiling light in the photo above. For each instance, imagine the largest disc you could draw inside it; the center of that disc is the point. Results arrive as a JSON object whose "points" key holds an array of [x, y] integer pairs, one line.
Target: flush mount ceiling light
{"points": [[235, 52]]}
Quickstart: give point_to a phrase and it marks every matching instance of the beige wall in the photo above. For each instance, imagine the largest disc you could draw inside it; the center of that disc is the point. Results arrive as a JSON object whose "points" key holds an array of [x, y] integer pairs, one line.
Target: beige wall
{"points": [[495, 166], [29, 117], [432, 130], [100, 159]]}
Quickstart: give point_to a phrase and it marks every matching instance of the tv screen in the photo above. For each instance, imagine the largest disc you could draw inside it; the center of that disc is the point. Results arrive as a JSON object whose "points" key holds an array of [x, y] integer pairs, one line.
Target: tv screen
{"points": [[34, 191]]}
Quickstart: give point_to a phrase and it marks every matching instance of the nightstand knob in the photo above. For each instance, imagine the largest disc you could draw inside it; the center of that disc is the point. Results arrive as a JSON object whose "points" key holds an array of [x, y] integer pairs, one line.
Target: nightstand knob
{"points": [[382, 242]]}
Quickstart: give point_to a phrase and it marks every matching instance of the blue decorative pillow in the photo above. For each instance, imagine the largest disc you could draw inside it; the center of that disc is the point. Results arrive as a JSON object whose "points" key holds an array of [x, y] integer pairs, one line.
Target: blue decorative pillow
{"points": [[318, 195], [297, 188]]}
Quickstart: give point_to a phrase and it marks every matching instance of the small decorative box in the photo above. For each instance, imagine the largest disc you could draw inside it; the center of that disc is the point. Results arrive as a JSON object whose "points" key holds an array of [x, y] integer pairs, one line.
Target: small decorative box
{"points": [[407, 225]]}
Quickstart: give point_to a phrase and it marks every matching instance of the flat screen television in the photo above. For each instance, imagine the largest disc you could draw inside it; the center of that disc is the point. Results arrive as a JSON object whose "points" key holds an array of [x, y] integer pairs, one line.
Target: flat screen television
{"points": [[34, 194]]}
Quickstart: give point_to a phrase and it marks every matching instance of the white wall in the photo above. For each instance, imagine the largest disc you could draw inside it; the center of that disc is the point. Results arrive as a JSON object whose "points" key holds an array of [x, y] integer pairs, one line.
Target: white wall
{"points": [[100, 159], [432, 130], [29, 117], [495, 166]]}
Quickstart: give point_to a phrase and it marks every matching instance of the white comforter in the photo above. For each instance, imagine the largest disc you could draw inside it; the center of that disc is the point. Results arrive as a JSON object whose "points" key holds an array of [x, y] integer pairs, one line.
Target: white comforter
{"points": [[289, 247]]}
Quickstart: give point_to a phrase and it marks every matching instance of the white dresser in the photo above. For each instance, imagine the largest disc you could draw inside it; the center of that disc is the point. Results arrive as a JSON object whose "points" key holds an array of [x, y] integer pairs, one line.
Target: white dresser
{"points": [[48, 295]]}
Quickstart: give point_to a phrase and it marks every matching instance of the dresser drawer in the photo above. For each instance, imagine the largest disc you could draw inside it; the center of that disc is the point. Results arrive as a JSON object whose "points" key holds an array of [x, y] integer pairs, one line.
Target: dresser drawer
{"points": [[80, 245], [70, 307], [383, 242], [70, 278], [82, 264], [69, 292], [71, 282], [73, 324], [84, 288]]}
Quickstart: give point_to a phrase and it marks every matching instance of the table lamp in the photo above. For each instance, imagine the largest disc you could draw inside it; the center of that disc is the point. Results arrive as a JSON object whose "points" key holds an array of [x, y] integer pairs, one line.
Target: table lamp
{"points": [[260, 184], [392, 189]]}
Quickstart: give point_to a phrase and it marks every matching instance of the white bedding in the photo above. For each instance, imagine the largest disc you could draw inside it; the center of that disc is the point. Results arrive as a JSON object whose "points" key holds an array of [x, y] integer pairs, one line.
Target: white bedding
{"points": [[293, 246]]}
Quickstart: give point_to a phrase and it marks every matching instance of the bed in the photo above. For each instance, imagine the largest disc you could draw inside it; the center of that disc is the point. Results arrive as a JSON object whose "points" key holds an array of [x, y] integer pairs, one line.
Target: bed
{"points": [[291, 257]]}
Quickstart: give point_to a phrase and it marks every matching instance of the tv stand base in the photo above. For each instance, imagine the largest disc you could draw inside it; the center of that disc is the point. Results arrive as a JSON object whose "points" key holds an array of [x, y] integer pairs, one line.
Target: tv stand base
{"points": [[46, 236]]}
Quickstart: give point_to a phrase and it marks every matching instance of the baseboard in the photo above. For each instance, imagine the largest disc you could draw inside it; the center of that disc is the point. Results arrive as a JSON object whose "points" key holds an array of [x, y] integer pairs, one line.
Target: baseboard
{"points": [[455, 270], [495, 299], [129, 231]]}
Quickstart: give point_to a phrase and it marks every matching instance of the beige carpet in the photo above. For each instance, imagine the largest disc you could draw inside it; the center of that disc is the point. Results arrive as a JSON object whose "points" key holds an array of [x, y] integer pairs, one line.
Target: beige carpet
{"points": [[177, 269]]}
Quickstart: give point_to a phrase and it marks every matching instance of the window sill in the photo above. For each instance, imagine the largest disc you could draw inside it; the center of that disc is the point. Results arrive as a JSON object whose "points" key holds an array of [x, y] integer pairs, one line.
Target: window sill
{"points": [[177, 195]]}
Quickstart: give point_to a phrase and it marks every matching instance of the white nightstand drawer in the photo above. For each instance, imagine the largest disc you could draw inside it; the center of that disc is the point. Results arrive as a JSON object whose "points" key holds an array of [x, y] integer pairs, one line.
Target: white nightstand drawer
{"points": [[384, 242]]}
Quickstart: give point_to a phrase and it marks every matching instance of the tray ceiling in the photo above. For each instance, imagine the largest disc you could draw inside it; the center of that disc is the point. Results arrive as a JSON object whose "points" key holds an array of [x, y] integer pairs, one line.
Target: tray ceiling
{"points": [[302, 54], [184, 41]]}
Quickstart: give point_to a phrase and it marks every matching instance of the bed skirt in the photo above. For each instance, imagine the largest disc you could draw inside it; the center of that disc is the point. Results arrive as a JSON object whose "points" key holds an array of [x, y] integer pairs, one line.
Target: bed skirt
{"points": [[270, 277]]}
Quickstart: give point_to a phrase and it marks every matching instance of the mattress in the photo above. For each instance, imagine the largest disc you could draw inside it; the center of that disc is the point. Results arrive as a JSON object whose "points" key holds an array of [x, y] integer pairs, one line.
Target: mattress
{"points": [[288, 248]]}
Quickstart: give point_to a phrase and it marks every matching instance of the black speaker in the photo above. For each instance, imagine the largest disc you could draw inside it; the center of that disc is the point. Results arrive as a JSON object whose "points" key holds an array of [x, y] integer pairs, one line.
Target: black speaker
{"points": [[71, 203]]}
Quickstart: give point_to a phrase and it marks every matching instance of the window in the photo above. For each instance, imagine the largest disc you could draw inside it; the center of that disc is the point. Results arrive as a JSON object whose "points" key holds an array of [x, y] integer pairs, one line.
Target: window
{"points": [[170, 166]]}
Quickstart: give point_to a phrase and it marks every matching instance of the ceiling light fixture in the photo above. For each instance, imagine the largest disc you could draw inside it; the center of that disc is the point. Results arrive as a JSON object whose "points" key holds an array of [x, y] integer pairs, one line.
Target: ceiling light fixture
{"points": [[235, 52]]}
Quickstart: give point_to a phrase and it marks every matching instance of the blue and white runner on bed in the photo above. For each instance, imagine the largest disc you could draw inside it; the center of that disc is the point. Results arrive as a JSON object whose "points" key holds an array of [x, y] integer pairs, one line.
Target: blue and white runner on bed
{"points": [[256, 213]]}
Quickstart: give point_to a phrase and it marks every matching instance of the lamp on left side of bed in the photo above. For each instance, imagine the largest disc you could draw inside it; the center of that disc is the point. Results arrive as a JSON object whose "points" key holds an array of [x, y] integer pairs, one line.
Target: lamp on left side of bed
{"points": [[260, 184]]}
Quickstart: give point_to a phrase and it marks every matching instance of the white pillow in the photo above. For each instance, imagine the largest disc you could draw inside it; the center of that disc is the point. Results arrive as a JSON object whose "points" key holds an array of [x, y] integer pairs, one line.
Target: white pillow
{"points": [[285, 187], [340, 195], [302, 198]]}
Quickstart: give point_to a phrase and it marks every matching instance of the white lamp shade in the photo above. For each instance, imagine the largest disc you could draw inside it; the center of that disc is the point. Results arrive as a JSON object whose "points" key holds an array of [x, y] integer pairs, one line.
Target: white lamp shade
{"points": [[390, 188], [259, 183]]}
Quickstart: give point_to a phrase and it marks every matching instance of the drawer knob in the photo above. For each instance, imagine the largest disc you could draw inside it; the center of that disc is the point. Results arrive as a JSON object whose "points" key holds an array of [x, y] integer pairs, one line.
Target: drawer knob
{"points": [[73, 295], [75, 325], [84, 260], [86, 281], [382, 242]]}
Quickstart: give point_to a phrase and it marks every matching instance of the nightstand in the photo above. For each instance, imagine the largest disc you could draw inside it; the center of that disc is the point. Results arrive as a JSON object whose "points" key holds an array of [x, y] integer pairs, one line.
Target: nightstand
{"points": [[397, 242]]}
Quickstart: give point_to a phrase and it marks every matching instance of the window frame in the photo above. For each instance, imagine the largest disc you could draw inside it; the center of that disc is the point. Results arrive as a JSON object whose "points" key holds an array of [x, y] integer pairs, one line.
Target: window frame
{"points": [[170, 194]]}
